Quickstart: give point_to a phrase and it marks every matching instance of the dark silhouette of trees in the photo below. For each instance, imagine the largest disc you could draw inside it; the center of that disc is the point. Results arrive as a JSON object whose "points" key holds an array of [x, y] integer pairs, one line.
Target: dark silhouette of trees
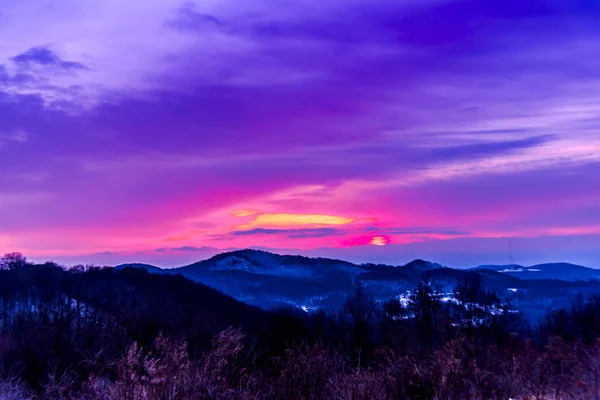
{"points": [[360, 314], [429, 318], [12, 261]]}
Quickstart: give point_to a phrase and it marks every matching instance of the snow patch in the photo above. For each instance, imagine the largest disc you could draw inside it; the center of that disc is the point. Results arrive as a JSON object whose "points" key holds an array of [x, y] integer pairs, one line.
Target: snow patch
{"points": [[307, 308], [512, 270], [446, 299]]}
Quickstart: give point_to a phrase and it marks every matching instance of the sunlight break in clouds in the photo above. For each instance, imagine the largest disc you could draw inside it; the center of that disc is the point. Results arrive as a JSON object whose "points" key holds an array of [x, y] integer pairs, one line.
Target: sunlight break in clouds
{"points": [[294, 220], [379, 241]]}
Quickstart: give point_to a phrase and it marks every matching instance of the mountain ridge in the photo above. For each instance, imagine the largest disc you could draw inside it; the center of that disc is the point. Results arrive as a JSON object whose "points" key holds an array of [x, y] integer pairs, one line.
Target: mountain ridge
{"points": [[558, 270], [147, 267], [255, 257], [270, 280]]}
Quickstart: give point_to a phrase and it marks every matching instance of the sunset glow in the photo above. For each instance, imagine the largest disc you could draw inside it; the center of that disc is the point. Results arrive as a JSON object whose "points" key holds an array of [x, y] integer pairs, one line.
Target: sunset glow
{"points": [[379, 241], [294, 220], [350, 129]]}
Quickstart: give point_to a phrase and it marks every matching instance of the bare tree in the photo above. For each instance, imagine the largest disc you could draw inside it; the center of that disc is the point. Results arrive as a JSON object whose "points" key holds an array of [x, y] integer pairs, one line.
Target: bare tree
{"points": [[12, 261]]}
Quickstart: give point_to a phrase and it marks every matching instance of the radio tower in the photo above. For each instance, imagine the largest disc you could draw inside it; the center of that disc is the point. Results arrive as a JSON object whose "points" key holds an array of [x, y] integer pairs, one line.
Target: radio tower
{"points": [[511, 260]]}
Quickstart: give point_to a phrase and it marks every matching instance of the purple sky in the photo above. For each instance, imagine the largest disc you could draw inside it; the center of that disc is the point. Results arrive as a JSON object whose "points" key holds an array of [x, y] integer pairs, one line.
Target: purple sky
{"points": [[165, 132]]}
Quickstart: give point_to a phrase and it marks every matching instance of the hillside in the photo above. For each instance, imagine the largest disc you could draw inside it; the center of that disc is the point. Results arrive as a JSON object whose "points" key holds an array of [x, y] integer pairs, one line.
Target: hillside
{"points": [[562, 271], [271, 280]]}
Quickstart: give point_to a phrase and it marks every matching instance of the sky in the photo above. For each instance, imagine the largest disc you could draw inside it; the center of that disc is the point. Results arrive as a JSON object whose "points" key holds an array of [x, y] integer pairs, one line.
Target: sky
{"points": [[165, 131]]}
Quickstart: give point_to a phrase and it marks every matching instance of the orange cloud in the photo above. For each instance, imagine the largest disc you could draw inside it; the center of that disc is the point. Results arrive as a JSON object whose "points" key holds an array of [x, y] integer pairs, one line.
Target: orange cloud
{"points": [[294, 220]]}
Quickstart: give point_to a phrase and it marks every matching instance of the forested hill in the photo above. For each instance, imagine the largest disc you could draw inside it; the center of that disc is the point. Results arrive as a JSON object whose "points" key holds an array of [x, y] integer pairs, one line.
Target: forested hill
{"points": [[69, 316]]}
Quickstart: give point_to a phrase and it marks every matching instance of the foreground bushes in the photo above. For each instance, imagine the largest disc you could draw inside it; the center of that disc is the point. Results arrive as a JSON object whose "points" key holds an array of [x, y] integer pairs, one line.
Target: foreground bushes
{"points": [[459, 370]]}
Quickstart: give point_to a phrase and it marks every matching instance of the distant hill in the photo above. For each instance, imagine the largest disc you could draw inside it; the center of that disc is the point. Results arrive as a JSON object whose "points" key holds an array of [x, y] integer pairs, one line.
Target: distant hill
{"points": [[263, 262], [147, 267], [269, 280], [272, 280], [423, 265], [562, 271]]}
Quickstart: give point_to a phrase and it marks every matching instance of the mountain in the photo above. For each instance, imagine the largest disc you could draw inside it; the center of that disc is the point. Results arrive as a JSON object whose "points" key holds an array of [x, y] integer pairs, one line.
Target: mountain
{"points": [[423, 265], [271, 280], [147, 267], [265, 263], [561, 271], [268, 280]]}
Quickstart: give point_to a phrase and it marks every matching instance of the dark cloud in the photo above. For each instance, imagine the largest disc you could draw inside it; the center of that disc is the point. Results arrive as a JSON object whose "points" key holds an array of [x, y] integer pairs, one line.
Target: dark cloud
{"points": [[186, 249], [488, 148], [106, 253], [20, 78], [189, 19], [46, 57], [325, 232]]}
